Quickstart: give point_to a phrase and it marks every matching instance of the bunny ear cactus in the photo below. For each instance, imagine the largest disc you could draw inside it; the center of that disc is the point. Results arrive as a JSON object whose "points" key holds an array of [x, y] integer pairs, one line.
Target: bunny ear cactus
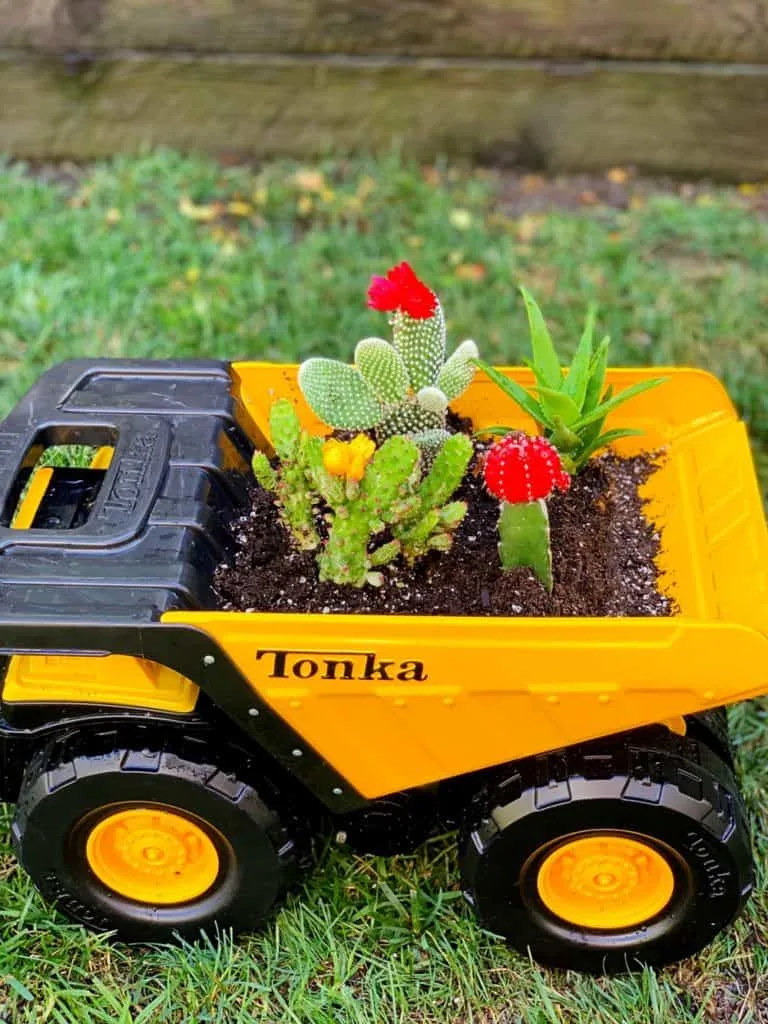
{"points": [[569, 409], [289, 482], [523, 472], [402, 387]]}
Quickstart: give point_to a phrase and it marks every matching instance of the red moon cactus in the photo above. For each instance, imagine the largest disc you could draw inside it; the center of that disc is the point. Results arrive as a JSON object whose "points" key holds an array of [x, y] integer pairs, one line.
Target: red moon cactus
{"points": [[523, 472], [522, 468]]}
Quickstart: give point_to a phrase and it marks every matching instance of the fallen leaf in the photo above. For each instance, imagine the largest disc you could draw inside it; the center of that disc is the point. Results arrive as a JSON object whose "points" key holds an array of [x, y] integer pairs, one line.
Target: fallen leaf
{"points": [[113, 216], [471, 271], [617, 175], [202, 213], [751, 188], [309, 181], [304, 205], [238, 208], [365, 186], [532, 182], [461, 219], [542, 280], [527, 227], [82, 197]]}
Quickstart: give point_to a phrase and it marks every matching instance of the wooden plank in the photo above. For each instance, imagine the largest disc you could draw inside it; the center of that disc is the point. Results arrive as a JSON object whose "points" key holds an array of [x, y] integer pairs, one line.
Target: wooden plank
{"points": [[713, 30], [660, 117]]}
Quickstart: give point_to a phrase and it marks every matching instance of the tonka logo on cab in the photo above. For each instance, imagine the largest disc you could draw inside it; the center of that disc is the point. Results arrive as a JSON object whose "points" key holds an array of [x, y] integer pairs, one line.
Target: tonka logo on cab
{"points": [[364, 666]]}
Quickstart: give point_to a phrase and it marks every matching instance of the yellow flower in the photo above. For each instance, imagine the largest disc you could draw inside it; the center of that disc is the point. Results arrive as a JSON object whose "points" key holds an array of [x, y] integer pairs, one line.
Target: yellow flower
{"points": [[360, 451], [348, 458]]}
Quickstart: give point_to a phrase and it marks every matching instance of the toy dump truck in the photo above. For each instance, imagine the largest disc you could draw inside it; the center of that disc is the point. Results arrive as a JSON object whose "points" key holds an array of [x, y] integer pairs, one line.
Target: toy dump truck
{"points": [[171, 763]]}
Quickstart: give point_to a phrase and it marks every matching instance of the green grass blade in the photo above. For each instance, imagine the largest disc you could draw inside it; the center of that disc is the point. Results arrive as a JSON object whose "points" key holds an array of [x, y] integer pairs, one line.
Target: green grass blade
{"points": [[516, 392], [575, 385], [545, 361], [602, 410]]}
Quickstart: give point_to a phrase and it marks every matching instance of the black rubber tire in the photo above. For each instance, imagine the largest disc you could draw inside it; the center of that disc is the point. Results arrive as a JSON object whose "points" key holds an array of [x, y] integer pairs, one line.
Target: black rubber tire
{"points": [[677, 796], [62, 799], [711, 728]]}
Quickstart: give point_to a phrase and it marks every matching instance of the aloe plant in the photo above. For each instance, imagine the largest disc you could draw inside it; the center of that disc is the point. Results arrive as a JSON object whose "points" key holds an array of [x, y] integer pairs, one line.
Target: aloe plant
{"points": [[570, 408]]}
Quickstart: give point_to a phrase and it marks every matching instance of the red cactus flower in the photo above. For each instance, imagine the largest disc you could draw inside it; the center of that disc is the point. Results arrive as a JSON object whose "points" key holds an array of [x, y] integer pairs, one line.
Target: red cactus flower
{"points": [[402, 290], [520, 468]]}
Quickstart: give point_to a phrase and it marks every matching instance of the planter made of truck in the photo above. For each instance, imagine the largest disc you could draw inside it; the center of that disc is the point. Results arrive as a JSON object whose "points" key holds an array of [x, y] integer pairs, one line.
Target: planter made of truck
{"points": [[393, 702]]}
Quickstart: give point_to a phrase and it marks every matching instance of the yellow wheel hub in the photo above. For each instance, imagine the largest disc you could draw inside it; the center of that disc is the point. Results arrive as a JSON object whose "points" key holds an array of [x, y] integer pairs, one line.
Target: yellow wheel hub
{"points": [[605, 881], [152, 856]]}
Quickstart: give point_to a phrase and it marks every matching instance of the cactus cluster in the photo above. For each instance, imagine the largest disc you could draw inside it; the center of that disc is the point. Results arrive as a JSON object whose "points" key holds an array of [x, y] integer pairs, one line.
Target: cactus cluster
{"points": [[397, 388], [390, 495], [290, 482], [523, 472], [364, 491]]}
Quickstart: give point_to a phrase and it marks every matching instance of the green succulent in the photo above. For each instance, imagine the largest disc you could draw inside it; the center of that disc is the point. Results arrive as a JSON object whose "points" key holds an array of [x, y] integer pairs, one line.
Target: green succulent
{"points": [[570, 409]]}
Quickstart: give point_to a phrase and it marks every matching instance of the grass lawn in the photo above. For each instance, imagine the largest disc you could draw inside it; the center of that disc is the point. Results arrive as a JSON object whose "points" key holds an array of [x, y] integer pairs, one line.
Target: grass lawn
{"points": [[168, 256]]}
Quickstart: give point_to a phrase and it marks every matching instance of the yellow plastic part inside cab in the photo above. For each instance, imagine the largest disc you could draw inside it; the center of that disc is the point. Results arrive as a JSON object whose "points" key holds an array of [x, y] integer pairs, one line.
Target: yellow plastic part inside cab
{"points": [[115, 679], [399, 701], [38, 487]]}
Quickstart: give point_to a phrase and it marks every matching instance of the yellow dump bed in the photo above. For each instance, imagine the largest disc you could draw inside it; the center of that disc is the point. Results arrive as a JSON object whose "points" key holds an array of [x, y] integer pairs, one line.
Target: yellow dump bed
{"points": [[399, 701]]}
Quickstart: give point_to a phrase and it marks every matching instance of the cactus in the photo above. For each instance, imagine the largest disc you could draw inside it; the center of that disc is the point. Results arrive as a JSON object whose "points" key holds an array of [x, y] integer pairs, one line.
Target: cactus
{"points": [[391, 493], [398, 388], [432, 523], [289, 482], [362, 510], [523, 472]]}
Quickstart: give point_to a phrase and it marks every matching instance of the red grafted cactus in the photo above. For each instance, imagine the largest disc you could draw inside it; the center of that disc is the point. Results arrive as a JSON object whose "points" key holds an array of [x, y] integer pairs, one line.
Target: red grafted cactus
{"points": [[523, 472], [522, 468]]}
